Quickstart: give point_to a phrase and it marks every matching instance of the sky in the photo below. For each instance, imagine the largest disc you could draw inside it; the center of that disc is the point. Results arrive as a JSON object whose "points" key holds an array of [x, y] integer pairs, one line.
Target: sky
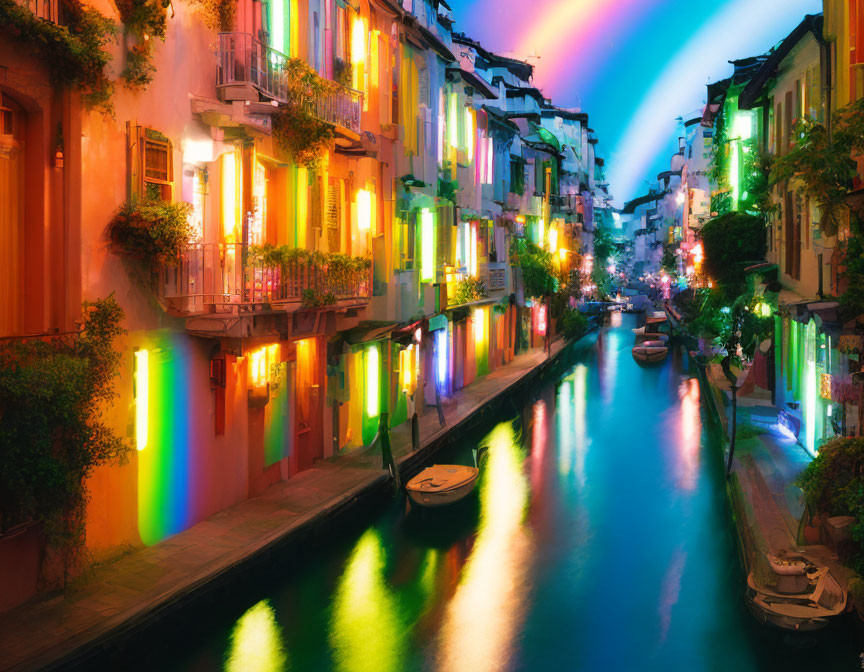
{"points": [[633, 65]]}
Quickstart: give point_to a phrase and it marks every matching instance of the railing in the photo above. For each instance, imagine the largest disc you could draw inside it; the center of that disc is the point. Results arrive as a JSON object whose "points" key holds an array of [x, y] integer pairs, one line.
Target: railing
{"points": [[244, 60], [214, 276], [47, 10], [59, 340]]}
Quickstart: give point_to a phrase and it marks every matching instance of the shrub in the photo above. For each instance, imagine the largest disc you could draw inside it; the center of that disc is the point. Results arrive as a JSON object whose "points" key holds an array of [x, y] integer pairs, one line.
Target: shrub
{"points": [[732, 242], [52, 434], [538, 272], [151, 230], [831, 481], [574, 324], [469, 289]]}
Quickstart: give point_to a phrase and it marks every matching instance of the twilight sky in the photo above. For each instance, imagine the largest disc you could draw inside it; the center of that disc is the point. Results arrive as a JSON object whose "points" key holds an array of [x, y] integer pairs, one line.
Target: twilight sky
{"points": [[632, 65]]}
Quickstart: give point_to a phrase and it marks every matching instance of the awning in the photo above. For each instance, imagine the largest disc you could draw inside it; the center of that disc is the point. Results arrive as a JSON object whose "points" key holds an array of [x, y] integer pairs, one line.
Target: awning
{"points": [[437, 322], [368, 332]]}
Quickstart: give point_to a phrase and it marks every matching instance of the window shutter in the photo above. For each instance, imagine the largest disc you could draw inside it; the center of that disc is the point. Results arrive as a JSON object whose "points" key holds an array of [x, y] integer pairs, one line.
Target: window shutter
{"points": [[423, 87], [334, 214]]}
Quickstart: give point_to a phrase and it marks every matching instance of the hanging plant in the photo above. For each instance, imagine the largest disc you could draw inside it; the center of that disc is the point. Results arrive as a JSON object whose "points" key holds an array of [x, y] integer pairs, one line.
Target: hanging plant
{"points": [[469, 289], [218, 15], [153, 231], [143, 19], [75, 53], [296, 127]]}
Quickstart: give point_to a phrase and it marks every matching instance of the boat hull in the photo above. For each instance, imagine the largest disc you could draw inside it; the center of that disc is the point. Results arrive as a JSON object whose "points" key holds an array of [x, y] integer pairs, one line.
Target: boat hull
{"points": [[792, 612], [442, 484], [434, 499], [649, 355]]}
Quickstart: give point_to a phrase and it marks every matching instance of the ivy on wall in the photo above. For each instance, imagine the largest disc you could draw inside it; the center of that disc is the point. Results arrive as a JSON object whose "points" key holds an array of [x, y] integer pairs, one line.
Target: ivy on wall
{"points": [[74, 53], [53, 393], [144, 20]]}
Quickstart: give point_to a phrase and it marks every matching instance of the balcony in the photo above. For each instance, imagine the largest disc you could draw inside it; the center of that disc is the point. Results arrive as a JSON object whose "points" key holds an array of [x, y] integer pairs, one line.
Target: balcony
{"points": [[212, 279], [250, 70], [47, 10]]}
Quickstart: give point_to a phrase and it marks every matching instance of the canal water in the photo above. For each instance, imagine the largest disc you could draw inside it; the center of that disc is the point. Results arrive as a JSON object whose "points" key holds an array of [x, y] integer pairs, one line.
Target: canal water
{"points": [[599, 539]]}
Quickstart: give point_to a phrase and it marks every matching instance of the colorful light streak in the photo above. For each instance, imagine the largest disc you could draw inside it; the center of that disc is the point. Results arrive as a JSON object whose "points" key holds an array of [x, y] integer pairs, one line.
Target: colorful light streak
{"points": [[373, 366], [142, 397], [427, 246], [166, 485]]}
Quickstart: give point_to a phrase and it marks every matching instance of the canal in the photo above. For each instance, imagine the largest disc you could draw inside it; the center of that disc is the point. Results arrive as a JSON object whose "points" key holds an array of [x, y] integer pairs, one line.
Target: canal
{"points": [[599, 539]]}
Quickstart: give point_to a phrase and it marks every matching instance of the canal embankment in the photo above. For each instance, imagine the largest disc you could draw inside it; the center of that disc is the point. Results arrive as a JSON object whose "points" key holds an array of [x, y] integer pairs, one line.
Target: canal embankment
{"points": [[765, 501], [119, 605]]}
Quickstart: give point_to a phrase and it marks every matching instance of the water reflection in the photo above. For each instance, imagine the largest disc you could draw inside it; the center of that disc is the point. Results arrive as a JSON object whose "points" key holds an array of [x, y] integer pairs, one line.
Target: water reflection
{"points": [[366, 632], [689, 434], [487, 609], [256, 642], [573, 440]]}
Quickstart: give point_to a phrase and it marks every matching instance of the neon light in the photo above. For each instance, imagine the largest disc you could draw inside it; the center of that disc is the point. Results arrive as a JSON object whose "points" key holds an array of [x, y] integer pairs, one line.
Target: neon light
{"points": [[229, 196], [277, 25], [358, 41], [142, 398], [469, 133], [541, 233], [479, 325], [372, 384], [472, 252], [441, 356], [364, 210], [541, 319], [427, 243], [453, 121]]}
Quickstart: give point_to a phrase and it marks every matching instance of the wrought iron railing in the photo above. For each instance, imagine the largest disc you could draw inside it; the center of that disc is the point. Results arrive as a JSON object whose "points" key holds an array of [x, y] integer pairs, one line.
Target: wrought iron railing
{"points": [[47, 10], [244, 60], [215, 277]]}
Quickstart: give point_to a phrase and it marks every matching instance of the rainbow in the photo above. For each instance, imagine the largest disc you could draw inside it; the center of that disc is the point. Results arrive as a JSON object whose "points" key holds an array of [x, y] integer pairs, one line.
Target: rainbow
{"points": [[568, 34], [742, 28], [581, 50]]}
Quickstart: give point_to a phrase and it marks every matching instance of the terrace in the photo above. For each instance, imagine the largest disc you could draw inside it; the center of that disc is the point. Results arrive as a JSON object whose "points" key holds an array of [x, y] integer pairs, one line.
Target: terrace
{"points": [[250, 70]]}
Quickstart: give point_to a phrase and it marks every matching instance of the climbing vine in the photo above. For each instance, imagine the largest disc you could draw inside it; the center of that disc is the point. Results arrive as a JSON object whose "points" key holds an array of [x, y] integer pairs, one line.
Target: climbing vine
{"points": [[144, 20], [296, 127], [53, 393], [74, 53]]}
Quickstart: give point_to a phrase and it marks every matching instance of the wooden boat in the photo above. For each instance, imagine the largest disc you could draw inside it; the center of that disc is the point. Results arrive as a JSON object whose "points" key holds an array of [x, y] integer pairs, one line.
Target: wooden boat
{"points": [[796, 594], [442, 484], [648, 352]]}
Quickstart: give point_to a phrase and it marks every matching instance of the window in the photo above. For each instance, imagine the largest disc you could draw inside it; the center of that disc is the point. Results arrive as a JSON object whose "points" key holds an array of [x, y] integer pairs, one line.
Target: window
{"points": [[157, 166], [152, 165]]}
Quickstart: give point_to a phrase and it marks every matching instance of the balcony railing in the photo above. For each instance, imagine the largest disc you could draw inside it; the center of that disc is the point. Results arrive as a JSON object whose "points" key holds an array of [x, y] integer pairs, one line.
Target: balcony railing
{"points": [[212, 277], [244, 60], [47, 10]]}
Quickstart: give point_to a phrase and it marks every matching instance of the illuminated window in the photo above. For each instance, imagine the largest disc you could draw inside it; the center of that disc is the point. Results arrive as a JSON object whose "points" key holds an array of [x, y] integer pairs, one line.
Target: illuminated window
{"points": [[427, 246]]}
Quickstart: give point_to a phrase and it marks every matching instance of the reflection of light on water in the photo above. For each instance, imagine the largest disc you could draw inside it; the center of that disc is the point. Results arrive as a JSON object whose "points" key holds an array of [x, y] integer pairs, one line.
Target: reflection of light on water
{"points": [[565, 429], [482, 618], [580, 437], [256, 643], [365, 631], [689, 434], [670, 591], [615, 318], [610, 364], [572, 438], [539, 438]]}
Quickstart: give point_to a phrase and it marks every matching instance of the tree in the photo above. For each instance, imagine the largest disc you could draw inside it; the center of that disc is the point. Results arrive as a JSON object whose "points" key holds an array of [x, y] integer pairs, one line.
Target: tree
{"points": [[732, 242]]}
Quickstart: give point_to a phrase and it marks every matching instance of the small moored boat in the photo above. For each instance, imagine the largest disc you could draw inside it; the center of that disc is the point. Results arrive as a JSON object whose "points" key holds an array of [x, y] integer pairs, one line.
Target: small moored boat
{"points": [[794, 594], [442, 484], [650, 351]]}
